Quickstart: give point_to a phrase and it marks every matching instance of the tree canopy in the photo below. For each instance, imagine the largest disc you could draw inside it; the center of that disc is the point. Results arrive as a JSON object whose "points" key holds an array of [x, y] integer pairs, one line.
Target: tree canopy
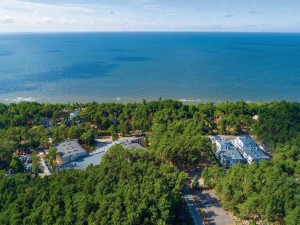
{"points": [[268, 191], [129, 187], [145, 187]]}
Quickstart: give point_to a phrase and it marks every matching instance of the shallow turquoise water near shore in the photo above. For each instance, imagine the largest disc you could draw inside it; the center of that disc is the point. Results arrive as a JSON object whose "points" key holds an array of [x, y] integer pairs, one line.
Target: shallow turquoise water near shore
{"points": [[123, 67]]}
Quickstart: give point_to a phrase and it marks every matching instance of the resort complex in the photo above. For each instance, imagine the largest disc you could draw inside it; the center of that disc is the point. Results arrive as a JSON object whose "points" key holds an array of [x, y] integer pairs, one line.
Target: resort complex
{"points": [[227, 153], [70, 150], [75, 157], [249, 149], [241, 149]]}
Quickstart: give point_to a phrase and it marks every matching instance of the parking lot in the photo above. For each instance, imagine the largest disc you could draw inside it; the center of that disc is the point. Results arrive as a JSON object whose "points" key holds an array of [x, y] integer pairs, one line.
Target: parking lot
{"points": [[215, 214]]}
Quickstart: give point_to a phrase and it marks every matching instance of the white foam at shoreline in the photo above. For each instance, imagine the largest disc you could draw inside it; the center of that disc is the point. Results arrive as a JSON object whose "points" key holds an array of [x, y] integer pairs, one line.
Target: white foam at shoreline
{"points": [[189, 100], [20, 99]]}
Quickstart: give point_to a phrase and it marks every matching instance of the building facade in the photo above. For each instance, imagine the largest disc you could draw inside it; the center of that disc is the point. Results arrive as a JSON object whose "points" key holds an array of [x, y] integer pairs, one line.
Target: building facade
{"points": [[227, 154], [249, 149], [70, 150]]}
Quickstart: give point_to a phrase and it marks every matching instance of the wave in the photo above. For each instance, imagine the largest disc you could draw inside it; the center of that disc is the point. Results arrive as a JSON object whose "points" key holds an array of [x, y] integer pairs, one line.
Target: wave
{"points": [[189, 100], [198, 100], [20, 99]]}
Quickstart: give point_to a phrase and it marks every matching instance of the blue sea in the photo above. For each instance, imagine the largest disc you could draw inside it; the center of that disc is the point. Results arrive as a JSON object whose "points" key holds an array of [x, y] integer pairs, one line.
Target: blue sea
{"points": [[127, 67]]}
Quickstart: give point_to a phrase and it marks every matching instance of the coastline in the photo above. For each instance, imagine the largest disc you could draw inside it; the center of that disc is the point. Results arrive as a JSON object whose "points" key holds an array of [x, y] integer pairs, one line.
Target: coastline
{"points": [[121, 100]]}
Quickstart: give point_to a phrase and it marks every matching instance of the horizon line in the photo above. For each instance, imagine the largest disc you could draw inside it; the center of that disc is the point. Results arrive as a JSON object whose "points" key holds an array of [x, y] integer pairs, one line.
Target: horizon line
{"points": [[147, 31]]}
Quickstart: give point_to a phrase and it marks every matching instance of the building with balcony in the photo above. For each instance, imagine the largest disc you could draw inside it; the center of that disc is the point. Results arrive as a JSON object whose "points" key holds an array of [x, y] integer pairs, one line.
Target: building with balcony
{"points": [[249, 149], [227, 154]]}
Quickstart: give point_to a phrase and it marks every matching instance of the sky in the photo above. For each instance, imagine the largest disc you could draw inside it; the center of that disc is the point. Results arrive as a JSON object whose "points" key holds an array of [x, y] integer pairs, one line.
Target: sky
{"points": [[149, 15]]}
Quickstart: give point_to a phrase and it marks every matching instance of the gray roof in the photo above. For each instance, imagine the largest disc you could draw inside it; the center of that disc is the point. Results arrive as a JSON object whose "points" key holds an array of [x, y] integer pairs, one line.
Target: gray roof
{"points": [[94, 157], [228, 150], [130, 145], [232, 154], [251, 149], [69, 148], [83, 162]]}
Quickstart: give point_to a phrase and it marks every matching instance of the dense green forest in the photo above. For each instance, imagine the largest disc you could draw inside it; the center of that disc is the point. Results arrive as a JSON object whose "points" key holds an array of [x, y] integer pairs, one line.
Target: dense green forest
{"points": [[266, 191], [129, 187], [21, 124], [178, 141]]}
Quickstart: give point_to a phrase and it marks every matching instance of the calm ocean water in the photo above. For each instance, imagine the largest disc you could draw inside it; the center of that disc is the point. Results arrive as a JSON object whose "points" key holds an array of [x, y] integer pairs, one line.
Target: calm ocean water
{"points": [[192, 67]]}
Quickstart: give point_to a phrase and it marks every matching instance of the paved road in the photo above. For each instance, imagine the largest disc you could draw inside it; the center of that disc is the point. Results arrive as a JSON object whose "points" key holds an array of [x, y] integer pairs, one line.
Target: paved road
{"points": [[192, 207], [215, 214]]}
